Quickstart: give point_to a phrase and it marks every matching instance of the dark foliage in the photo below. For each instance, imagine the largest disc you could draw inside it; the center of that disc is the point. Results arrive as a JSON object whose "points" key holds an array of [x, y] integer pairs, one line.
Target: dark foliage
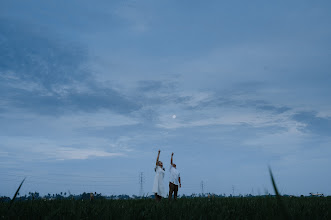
{"points": [[266, 207]]}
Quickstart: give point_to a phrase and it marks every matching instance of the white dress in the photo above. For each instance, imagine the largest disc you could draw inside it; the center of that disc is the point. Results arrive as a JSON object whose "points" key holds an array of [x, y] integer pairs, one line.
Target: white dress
{"points": [[158, 186]]}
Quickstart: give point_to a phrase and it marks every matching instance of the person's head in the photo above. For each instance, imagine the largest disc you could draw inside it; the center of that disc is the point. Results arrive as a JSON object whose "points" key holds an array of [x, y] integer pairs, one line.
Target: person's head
{"points": [[174, 165], [160, 164]]}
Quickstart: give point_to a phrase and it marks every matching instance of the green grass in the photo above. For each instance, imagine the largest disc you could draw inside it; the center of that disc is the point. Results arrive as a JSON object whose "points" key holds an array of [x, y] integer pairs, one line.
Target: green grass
{"points": [[185, 208]]}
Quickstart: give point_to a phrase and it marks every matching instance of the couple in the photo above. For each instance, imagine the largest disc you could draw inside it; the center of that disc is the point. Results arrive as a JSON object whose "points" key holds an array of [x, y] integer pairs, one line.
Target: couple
{"points": [[158, 187]]}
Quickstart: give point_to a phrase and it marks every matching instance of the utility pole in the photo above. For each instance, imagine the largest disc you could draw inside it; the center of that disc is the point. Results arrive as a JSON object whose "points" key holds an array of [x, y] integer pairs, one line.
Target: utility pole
{"points": [[232, 190], [202, 186], [141, 182]]}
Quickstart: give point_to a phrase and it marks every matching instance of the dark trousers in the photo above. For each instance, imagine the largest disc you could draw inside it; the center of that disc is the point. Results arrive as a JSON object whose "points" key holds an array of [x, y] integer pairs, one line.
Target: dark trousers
{"points": [[157, 198], [173, 189]]}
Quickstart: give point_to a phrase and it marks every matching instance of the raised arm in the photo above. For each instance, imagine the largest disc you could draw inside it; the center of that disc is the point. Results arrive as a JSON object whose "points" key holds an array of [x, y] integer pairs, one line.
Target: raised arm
{"points": [[171, 159], [157, 159]]}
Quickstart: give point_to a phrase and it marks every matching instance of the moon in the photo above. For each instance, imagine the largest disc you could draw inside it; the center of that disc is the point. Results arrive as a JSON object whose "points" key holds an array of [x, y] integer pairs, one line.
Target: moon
{"points": [[174, 116]]}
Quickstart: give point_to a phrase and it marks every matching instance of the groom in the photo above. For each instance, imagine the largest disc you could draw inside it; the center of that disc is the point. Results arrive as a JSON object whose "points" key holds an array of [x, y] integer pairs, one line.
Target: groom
{"points": [[174, 180]]}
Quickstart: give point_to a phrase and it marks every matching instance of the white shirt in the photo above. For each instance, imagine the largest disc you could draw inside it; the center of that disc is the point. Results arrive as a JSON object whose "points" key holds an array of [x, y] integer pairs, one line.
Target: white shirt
{"points": [[174, 175]]}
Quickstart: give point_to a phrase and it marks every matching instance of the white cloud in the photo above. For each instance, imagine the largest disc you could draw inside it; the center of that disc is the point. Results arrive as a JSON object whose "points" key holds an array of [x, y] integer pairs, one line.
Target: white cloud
{"points": [[278, 143], [13, 81], [68, 122], [43, 149], [229, 116], [67, 153], [101, 118], [196, 98], [324, 113]]}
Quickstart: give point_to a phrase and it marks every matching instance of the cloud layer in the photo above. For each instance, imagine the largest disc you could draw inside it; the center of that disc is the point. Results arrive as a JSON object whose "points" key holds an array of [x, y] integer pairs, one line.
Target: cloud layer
{"points": [[98, 84]]}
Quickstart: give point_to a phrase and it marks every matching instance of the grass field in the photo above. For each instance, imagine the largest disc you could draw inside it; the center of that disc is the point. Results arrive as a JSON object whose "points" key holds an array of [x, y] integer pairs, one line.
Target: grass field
{"points": [[184, 208]]}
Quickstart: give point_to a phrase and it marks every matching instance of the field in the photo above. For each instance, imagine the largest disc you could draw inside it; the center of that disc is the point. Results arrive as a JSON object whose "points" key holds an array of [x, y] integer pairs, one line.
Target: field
{"points": [[184, 208]]}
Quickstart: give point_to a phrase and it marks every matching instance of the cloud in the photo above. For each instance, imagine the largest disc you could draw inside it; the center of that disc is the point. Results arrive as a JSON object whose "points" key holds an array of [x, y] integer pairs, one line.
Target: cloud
{"points": [[98, 119], [67, 98], [48, 149], [210, 108], [35, 55], [21, 123], [42, 74], [148, 86], [283, 142], [68, 153], [229, 116], [313, 123]]}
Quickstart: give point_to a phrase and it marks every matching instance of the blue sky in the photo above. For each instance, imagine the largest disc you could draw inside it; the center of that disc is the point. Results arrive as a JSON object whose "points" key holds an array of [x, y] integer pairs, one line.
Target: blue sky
{"points": [[88, 92]]}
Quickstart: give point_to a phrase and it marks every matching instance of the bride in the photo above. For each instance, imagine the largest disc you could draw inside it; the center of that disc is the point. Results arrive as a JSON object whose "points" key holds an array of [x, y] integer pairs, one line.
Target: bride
{"points": [[158, 187]]}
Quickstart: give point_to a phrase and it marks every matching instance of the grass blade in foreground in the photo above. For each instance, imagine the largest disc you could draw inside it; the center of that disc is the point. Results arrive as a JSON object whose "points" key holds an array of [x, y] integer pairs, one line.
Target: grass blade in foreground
{"points": [[11, 202], [279, 200]]}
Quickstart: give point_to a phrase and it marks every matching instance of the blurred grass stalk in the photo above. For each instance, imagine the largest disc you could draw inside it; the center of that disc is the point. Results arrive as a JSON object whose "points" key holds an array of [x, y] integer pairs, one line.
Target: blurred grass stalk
{"points": [[283, 208], [11, 202]]}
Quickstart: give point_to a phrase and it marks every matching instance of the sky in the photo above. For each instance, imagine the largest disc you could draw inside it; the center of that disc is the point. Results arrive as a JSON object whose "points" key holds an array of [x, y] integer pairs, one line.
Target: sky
{"points": [[90, 91]]}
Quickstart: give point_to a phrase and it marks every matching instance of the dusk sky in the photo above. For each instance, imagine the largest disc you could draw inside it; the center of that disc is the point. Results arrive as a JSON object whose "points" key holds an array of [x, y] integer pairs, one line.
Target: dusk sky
{"points": [[90, 90]]}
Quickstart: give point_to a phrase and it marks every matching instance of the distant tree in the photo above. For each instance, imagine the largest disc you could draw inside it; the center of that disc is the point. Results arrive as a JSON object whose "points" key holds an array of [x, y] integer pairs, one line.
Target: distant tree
{"points": [[124, 197], [36, 195], [85, 196]]}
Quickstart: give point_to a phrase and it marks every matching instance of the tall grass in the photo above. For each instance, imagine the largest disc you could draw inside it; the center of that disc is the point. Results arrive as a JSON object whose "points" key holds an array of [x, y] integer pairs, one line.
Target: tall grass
{"points": [[283, 208], [265, 207], [16, 193]]}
